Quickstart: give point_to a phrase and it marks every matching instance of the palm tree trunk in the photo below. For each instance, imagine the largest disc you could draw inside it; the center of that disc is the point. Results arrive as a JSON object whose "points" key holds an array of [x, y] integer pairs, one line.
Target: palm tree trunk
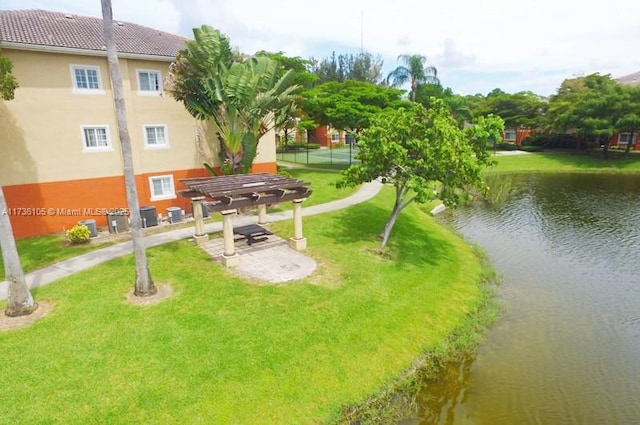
{"points": [[414, 88], [20, 301], [144, 284]]}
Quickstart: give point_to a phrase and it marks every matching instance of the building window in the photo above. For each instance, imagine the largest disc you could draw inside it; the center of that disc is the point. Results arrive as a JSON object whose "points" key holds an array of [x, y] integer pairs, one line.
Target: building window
{"points": [[349, 139], [155, 137], [335, 137], [625, 139], [96, 138], [86, 79], [162, 187], [510, 135], [148, 82]]}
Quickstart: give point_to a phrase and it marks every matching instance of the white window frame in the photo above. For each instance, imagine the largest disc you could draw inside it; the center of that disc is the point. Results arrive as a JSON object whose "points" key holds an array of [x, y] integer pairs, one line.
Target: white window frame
{"points": [[86, 148], [335, 137], [81, 90], [510, 131], [171, 195], [627, 135], [148, 145], [149, 92]]}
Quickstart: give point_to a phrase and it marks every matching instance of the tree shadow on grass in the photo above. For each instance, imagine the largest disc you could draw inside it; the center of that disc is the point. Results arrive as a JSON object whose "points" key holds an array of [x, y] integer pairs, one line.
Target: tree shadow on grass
{"points": [[410, 242]]}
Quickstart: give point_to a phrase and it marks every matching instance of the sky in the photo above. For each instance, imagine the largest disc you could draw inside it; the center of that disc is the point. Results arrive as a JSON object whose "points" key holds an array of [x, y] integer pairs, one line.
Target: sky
{"points": [[476, 45]]}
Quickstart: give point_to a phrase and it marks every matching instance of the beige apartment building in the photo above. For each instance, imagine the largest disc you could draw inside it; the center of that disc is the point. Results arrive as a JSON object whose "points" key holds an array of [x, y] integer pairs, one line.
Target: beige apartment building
{"points": [[60, 159]]}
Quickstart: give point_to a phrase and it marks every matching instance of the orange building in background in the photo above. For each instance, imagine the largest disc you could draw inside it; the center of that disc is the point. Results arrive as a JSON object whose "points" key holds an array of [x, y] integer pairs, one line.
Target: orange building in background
{"points": [[516, 135]]}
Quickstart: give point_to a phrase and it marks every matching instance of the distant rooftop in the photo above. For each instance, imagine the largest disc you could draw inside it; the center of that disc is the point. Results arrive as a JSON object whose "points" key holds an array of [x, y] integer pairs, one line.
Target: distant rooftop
{"points": [[631, 79], [55, 29]]}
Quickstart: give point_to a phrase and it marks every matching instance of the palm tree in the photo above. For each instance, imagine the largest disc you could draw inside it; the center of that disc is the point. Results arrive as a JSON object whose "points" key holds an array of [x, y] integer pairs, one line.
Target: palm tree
{"points": [[20, 301], [241, 96], [144, 284], [415, 72]]}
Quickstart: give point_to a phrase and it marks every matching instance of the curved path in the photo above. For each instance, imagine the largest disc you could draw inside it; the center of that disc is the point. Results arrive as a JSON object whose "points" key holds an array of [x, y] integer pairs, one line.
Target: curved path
{"points": [[73, 265]]}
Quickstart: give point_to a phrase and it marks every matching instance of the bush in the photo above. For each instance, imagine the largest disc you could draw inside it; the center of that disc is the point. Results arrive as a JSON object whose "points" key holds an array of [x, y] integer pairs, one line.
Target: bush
{"points": [[532, 148], [79, 234], [507, 146], [300, 146], [551, 141]]}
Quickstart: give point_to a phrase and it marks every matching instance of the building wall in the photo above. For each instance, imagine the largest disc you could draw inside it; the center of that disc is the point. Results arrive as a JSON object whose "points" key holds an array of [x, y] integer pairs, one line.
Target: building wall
{"points": [[43, 162], [521, 134], [321, 135], [616, 137]]}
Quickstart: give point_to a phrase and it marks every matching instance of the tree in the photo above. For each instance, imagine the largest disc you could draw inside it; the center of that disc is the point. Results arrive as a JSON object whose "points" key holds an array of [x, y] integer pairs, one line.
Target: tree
{"points": [[288, 118], [348, 105], [241, 96], [424, 155], [362, 66], [20, 302], [630, 120], [594, 106], [520, 110], [415, 72], [144, 284], [456, 103], [300, 68]]}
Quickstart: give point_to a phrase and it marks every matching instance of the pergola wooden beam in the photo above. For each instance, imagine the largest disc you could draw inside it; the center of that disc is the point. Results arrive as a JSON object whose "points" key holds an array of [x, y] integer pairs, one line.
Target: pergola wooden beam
{"points": [[231, 190], [225, 194]]}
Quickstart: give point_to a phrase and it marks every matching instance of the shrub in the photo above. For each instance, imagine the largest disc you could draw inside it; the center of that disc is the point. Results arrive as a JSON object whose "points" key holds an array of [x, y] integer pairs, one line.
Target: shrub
{"points": [[532, 148], [551, 141], [79, 234], [300, 146], [507, 146]]}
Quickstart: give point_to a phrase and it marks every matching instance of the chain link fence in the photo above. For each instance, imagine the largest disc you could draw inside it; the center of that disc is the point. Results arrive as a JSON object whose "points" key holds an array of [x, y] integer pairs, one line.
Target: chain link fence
{"points": [[314, 152]]}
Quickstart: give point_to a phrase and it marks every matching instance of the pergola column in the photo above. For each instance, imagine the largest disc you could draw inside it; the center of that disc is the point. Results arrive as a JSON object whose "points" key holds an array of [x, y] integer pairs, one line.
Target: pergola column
{"points": [[200, 236], [298, 241], [262, 214], [230, 257]]}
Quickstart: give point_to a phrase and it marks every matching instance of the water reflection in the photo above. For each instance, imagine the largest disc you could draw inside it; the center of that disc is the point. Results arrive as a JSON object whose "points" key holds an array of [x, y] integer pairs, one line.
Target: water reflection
{"points": [[568, 349]]}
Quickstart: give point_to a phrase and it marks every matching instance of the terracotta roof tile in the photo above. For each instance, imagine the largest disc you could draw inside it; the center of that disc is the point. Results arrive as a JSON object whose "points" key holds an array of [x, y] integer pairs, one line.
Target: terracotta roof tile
{"points": [[41, 27]]}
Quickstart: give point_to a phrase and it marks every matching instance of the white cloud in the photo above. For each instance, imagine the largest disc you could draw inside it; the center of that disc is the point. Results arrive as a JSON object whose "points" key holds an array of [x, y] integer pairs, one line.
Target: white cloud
{"points": [[528, 41]]}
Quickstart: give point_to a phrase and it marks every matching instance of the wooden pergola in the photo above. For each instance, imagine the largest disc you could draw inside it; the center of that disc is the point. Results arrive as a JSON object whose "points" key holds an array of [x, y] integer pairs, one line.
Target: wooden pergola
{"points": [[225, 194]]}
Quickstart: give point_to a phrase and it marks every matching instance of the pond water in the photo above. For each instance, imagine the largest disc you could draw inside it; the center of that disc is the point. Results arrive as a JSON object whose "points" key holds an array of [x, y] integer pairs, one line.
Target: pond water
{"points": [[567, 349]]}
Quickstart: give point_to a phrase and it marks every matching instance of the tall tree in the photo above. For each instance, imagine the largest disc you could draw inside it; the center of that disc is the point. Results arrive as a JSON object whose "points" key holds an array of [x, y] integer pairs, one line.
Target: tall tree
{"points": [[300, 68], [348, 105], [287, 119], [144, 284], [20, 301], [524, 109], [456, 103], [424, 155], [594, 106], [362, 66], [414, 71], [629, 122], [241, 96]]}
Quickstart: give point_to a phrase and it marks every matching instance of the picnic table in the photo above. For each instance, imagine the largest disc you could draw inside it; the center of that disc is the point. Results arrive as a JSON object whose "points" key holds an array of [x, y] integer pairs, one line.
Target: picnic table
{"points": [[252, 233]]}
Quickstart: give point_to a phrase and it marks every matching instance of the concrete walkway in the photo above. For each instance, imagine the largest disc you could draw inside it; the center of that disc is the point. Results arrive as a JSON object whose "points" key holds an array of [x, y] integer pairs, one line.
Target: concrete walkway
{"points": [[73, 265]]}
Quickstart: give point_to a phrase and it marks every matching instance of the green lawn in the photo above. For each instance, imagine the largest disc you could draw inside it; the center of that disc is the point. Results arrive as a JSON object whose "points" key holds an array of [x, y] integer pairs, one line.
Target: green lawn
{"points": [[322, 184], [41, 251], [565, 162], [223, 350]]}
